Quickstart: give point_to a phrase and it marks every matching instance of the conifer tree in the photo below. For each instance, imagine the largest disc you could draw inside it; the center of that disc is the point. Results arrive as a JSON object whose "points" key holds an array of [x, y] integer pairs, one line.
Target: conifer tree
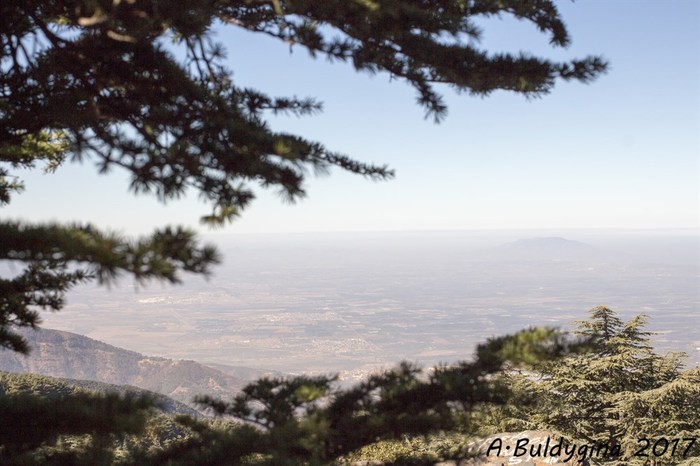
{"points": [[37, 429], [310, 421], [94, 80], [618, 393]]}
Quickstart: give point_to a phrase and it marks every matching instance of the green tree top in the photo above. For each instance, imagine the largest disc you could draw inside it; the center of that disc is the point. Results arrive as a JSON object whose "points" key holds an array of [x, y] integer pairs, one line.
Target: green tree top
{"points": [[619, 392], [309, 420]]}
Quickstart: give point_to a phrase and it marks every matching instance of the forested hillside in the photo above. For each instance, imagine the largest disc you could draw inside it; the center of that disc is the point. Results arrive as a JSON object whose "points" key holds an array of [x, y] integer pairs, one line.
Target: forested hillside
{"points": [[86, 422], [11, 384]]}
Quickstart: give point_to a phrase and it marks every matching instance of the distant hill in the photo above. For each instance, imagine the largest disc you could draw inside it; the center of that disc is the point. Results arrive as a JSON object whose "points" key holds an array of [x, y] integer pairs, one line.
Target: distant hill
{"points": [[47, 386], [543, 249], [64, 354]]}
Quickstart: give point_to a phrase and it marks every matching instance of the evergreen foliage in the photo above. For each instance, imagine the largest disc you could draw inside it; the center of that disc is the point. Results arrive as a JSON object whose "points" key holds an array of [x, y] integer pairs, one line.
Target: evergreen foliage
{"points": [[620, 392], [402, 416], [307, 420], [46, 386], [300, 420], [47, 421], [97, 80]]}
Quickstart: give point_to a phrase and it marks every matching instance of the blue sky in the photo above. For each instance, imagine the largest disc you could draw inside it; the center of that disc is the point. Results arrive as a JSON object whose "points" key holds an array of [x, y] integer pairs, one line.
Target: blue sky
{"points": [[621, 152]]}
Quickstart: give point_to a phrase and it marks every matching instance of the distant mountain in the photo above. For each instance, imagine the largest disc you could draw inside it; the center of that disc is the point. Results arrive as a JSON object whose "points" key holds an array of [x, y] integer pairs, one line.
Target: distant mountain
{"points": [[543, 249], [64, 354], [47, 386]]}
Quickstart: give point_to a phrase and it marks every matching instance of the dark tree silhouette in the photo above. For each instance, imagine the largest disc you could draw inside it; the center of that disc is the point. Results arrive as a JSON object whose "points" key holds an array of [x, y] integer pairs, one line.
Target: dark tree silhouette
{"points": [[93, 79]]}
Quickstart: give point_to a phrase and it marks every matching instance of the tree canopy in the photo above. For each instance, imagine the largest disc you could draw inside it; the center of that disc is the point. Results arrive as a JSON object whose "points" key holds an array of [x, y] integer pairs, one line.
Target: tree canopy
{"points": [[297, 420], [312, 421], [618, 393], [142, 86], [99, 80], [604, 387]]}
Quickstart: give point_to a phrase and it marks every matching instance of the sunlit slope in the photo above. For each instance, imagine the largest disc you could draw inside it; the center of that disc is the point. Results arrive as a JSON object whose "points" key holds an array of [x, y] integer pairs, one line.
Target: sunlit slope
{"points": [[64, 354]]}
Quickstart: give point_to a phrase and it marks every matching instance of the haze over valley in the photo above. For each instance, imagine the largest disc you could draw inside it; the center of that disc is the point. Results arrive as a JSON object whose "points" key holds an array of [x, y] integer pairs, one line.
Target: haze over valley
{"points": [[351, 303]]}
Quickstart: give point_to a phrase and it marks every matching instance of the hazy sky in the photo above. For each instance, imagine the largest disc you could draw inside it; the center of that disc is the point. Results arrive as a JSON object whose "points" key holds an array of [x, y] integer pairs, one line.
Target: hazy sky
{"points": [[621, 152]]}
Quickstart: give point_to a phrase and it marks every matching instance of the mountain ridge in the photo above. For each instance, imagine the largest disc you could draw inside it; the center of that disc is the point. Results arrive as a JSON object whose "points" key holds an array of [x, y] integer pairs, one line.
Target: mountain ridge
{"points": [[62, 354]]}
